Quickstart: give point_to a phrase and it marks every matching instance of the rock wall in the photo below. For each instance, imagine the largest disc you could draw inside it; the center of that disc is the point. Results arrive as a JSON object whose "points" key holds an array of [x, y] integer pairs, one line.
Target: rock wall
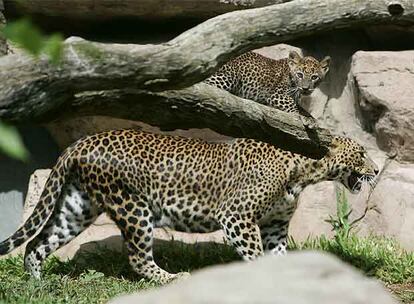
{"points": [[374, 108], [367, 96]]}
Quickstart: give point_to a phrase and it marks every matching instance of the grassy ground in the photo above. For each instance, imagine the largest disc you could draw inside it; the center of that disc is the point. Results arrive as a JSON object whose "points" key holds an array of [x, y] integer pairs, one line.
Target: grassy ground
{"points": [[96, 277]]}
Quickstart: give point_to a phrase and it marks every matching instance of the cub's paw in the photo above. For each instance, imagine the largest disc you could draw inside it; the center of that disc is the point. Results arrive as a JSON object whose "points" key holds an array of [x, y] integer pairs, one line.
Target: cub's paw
{"points": [[309, 122]]}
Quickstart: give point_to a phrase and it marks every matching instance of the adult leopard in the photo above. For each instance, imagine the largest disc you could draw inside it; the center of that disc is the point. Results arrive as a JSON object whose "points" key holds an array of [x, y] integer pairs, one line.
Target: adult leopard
{"points": [[276, 83], [247, 188]]}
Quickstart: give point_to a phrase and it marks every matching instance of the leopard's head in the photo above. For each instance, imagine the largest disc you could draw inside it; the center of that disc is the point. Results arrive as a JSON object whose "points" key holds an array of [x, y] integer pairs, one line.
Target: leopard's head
{"points": [[306, 73], [349, 163]]}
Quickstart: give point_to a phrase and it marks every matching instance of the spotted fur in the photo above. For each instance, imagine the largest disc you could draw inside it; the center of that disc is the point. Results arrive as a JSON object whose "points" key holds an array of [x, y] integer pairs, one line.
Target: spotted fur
{"points": [[276, 83], [249, 189]]}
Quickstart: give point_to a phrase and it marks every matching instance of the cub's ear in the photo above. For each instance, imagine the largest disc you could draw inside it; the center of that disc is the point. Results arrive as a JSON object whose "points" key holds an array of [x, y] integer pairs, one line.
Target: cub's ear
{"points": [[294, 56], [325, 65]]}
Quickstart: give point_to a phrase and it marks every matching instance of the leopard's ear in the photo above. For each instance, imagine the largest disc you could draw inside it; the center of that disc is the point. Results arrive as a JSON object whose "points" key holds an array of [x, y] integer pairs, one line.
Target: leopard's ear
{"points": [[294, 57], [293, 60], [325, 65]]}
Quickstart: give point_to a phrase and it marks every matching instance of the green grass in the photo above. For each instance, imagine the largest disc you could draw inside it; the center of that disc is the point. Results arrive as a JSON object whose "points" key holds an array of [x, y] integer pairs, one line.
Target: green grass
{"points": [[96, 277], [375, 256], [99, 276]]}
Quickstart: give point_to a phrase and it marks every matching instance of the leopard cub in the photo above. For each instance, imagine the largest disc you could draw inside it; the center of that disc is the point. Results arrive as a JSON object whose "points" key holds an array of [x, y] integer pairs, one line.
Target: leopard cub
{"points": [[276, 83]]}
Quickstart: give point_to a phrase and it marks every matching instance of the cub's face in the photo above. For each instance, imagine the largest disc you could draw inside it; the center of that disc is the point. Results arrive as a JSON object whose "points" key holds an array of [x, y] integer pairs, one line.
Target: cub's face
{"points": [[307, 72]]}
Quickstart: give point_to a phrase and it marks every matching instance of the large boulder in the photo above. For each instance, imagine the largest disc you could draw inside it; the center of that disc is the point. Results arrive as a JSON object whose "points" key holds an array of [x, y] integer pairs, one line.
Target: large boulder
{"points": [[385, 82], [392, 203], [315, 206], [305, 277]]}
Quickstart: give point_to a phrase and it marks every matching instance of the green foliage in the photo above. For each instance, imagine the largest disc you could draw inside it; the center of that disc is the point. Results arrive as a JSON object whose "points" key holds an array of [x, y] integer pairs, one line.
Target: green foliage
{"points": [[53, 48], [30, 38], [11, 142], [340, 224], [376, 256]]}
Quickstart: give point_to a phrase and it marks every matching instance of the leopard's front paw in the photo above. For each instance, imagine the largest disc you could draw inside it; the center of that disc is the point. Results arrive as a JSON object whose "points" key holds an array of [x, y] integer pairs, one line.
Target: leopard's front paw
{"points": [[309, 122], [181, 276]]}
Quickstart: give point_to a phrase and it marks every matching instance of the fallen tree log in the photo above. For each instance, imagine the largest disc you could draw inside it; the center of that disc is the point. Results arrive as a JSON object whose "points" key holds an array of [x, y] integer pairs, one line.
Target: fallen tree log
{"points": [[190, 57], [204, 106], [198, 106]]}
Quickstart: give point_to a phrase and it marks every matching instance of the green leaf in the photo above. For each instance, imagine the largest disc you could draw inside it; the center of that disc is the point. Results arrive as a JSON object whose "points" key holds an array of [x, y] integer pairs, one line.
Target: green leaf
{"points": [[24, 34], [53, 47], [11, 143], [27, 36]]}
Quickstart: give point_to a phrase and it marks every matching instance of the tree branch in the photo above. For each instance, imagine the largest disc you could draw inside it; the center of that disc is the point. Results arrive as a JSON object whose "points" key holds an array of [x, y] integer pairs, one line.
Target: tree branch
{"points": [[198, 106], [190, 57]]}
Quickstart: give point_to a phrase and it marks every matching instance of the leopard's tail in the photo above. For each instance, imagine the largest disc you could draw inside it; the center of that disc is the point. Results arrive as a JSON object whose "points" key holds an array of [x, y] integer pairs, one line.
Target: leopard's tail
{"points": [[44, 207]]}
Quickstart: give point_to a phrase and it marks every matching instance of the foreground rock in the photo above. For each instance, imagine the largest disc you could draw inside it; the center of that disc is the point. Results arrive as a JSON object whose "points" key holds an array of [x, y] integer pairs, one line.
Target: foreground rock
{"points": [[299, 278]]}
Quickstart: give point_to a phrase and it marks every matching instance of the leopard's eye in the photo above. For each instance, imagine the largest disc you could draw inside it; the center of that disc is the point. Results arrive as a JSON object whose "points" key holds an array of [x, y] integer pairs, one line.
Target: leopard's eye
{"points": [[314, 77], [299, 74]]}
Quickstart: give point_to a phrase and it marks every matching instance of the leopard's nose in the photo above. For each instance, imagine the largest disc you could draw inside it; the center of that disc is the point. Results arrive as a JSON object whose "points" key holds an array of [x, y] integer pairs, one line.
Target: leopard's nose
{"points": [[376, 171]]}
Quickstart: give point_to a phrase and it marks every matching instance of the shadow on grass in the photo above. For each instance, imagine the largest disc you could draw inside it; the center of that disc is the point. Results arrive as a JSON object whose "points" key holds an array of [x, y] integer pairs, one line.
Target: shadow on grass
{"points": [[110, 258], [375, 256]]}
